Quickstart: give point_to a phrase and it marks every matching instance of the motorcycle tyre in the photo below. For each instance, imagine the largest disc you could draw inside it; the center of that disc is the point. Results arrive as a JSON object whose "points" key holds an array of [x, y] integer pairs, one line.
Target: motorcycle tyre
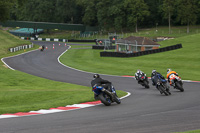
{"points": [[179, 87], [163, 90], [146, 84], [104, 100]]}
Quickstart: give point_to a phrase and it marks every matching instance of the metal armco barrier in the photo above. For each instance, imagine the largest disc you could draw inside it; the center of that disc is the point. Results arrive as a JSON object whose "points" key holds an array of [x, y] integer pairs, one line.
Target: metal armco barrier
{"points": [[21, 47], [153, 51]]}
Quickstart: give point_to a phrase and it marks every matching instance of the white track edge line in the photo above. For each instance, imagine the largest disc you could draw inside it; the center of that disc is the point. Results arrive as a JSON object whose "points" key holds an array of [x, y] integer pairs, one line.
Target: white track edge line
{"points": [[2, 59]]}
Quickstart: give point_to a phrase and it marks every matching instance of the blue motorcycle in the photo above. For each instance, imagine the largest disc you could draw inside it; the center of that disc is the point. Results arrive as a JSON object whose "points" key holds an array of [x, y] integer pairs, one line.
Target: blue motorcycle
{"points": [[162, 87], [106, 96]]}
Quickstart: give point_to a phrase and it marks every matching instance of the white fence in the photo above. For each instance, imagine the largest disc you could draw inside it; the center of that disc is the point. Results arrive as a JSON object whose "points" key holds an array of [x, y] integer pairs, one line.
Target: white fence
{"points": [[21, 47]]}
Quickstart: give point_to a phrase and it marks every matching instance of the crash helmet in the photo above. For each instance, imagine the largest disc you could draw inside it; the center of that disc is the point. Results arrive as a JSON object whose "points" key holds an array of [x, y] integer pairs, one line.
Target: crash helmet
{"points": [[139, 71], [169, 70], [96, 76], [153, 72]]}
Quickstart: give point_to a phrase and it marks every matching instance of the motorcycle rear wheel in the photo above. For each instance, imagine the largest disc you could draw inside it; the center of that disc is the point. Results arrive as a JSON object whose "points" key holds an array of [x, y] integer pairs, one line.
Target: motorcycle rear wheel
{"points": [[179, 86], [104, 100]]}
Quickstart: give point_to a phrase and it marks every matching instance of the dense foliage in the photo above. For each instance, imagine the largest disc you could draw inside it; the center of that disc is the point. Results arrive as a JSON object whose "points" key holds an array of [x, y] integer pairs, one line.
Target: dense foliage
{"points": [[118, 15]]}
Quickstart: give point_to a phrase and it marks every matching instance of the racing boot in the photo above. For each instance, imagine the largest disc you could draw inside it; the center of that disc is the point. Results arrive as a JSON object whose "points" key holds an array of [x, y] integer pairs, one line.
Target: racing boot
{"points": [[173, 84], [96, 97]]}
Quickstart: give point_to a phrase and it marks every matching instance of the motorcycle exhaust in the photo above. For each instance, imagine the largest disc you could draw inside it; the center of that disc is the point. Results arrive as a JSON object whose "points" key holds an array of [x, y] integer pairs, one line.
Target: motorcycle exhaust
{"points": [[107, 92]]}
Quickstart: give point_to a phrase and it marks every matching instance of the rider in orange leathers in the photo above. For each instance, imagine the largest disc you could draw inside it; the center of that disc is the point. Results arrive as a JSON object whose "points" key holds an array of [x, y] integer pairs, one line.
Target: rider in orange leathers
{"points": [[170, 76]]}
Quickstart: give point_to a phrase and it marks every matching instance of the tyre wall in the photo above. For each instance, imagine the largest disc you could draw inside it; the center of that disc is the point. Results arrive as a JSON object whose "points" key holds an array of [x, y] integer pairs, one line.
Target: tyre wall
{"points": [[153, 51]]}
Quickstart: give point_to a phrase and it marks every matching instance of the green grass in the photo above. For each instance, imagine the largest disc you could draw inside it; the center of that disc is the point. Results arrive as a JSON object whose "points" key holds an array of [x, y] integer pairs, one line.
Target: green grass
{"points": [[27, 92], [24, 92], [193, 131], [21, 92], [176, 31], [186, 61]]}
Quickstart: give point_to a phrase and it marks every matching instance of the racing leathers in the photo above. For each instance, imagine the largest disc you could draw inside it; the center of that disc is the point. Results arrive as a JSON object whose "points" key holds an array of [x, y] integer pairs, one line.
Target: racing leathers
{"points": [[155, 77], [139, 75], [101, 82], [170, 77]]}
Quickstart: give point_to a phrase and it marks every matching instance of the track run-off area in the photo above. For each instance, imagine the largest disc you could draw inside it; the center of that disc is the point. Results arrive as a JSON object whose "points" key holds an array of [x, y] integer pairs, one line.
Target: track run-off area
{"points": [[144, 111]]}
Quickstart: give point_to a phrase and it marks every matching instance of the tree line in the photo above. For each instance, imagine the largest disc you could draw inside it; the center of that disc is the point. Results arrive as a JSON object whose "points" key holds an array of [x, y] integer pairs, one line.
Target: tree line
{"points": [[117, 15]]}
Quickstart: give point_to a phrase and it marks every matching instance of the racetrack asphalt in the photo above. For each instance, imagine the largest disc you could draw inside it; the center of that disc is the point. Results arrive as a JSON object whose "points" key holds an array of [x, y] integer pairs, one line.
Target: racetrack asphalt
{"points": [[144, 111]]}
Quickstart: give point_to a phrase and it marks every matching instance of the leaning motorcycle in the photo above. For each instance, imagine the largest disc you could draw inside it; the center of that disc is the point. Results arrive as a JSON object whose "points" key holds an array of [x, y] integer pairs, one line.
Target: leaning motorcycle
{"points": [[178, 83], [42, 48], [162, 87], [143, 80], [105, 96]]}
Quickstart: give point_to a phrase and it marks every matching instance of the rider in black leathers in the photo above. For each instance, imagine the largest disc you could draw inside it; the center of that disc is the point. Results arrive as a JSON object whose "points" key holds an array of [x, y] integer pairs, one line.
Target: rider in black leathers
{"points": [[155, 76], [98, 81], [137, 76]]}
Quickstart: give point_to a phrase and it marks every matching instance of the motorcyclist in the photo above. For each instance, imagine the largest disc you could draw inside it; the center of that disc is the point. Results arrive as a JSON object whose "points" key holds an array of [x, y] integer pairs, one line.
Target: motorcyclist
{"points": [[98, 81], [155, 76], [42, 48], [137, 76], [170, 75]]}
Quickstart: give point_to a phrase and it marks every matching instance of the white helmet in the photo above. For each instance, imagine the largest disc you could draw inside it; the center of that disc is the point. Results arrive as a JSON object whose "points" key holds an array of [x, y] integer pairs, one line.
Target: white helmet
{"points": [[169, 70], [153, 72], [139, 71]]}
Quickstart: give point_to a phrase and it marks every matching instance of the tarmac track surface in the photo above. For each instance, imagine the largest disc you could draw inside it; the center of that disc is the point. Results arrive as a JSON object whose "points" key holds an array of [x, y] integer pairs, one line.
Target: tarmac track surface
{"points": [[145, 111]]}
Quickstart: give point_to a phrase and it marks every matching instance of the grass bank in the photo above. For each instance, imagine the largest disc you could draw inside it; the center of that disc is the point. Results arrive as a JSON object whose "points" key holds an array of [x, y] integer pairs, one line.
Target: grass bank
{"points": [[186, 61], [193, 131], [21, 92], [7, 41]]}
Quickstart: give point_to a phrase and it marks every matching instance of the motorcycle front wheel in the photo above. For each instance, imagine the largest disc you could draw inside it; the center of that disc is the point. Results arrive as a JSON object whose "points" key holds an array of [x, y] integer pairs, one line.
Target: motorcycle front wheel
{"points": [[162, 89], [146, 84], [104, 99], [116, 99]]}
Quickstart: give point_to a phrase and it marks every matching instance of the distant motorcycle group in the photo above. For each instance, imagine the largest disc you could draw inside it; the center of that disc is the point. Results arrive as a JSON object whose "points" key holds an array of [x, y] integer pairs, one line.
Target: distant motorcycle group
{"points": [[160, 82]]}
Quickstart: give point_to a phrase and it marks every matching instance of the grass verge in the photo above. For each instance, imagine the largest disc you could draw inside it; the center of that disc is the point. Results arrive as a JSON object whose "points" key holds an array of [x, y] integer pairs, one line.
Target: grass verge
{"points": [[193, 131], [22, 92]]}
